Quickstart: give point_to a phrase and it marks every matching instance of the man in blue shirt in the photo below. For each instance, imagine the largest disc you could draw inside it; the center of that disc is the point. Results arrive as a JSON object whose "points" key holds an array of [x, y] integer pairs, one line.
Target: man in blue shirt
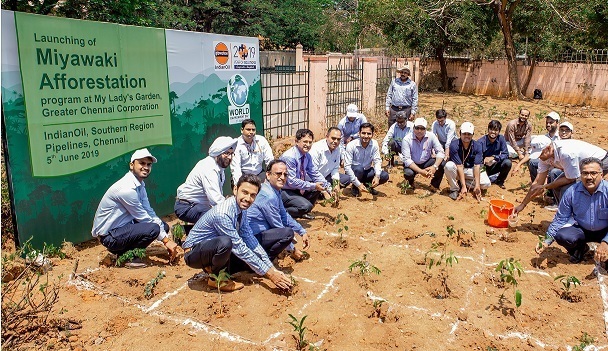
{"points": [[495, 154], [402, 95], [391, 145], [268, 217], [124, 219], [222, 238], [466, 158], [299, 195], [582, 215], [349, 125], [362, 162]]}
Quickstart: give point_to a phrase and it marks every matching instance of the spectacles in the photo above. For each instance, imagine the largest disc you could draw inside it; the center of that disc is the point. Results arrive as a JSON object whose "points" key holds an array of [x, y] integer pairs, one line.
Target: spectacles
{"points": [[228, 154], [419, 128], [280, 174], [593, 174]]}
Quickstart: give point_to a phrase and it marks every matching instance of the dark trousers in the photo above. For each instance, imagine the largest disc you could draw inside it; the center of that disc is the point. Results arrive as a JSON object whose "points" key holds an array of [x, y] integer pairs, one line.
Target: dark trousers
{"points": [[394, 146], [502, 168], [298, 204], [366, 176], [344, 180], [409, 174], [189, 212], [575, 238], [533, 168], [393, 112], [131, 236], [217, 252], [554, 174]]}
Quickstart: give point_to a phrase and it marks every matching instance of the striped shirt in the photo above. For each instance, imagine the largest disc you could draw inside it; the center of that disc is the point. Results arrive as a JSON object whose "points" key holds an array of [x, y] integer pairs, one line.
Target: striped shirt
{"points": [[367, 157], [419, 151], [402, 93]]}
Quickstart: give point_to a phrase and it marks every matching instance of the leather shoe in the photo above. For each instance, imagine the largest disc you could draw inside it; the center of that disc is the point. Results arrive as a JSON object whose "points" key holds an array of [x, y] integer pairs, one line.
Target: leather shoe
{"points": [[372, 191], [136, 263], [454, 195], [226, 286], [308, 216], [579, 254], [355, 191]]}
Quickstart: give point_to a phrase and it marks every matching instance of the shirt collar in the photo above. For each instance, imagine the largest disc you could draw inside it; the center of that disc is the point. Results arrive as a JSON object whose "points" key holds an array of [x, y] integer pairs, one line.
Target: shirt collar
{"points": [[134, 179]]}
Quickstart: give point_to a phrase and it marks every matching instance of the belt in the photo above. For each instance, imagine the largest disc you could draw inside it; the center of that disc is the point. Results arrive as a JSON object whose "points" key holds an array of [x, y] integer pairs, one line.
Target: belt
{"points": [[399, 107], [188, 249], [184, 201]]}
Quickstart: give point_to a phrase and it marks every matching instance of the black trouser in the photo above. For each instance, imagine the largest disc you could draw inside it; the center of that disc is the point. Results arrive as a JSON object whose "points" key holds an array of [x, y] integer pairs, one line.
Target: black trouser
{"points": [[502, 168], [189, 212], [131, 236], [393, 112], [366, 176], [217, 252], [298, 204], [409, 174], [344, 180], [575, 237]]}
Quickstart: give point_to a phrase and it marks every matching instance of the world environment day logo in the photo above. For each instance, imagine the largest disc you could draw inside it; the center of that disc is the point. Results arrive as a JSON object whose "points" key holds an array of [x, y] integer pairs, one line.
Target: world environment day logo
{"points": [[238, 90]]}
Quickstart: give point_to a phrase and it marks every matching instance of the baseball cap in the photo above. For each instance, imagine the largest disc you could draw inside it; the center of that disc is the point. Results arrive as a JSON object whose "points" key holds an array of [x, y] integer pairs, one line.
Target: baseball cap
{"points": [[420, 122], [142, 153], [352, 111], [467, 127], [567, 124], [554, 115], [538, 143]]}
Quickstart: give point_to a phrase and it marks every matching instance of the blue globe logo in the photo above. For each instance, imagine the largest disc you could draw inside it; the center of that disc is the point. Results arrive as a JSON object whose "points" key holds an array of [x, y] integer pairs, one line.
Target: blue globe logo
{"points": [[238, 90]]}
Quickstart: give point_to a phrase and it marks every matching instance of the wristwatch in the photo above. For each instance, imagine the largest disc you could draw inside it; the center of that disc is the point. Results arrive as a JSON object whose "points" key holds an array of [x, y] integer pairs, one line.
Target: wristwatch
{"points": [[436, 167]]}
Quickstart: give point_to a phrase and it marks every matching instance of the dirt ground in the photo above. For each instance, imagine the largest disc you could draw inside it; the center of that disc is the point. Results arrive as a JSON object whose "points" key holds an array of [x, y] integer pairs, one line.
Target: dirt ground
{"points": [[407, 306]]}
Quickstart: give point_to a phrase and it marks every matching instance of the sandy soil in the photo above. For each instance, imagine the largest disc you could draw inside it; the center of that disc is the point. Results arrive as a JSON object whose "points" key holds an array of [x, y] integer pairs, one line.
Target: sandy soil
{"points": [[442, 308]]}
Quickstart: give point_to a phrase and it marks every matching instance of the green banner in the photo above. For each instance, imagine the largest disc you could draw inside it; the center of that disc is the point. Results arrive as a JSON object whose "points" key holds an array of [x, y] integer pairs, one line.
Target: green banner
{"points": [[88, 97]]}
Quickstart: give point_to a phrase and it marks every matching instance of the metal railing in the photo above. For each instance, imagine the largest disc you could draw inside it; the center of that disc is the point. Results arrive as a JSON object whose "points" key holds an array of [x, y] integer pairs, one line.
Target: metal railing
{"points": [[385, 73], [285, 90], [344, 86]]}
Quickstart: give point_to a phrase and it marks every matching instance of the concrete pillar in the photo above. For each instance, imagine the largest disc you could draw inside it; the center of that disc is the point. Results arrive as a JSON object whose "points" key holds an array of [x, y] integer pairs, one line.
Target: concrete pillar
{"points": [[317, 95], [370, 75], [299, 57]]}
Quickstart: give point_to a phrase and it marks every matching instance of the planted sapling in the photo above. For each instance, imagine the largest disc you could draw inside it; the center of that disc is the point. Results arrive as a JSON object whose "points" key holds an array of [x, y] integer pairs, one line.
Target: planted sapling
{"points": [[585, 340], [509, 269], [445, 259], [298, 327], [220, 278], [178, 233], [569, 282], [130, 255], [364, 269], [342, 228], [149, 288]]}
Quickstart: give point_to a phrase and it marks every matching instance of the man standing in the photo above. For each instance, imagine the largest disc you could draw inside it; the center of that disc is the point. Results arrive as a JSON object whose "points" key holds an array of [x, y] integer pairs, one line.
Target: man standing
{"points": [[551, 121], [222, 238], [299, 195], [268, 217], [203, 186], [495, 154], [251, 152], [125, 220], [325, 156], [518, 135], [445, 130], [585, 204], [464, 167], [362, 162], [402, 95], [391, 145], [562, 155], [349, 125], [417, 152]]}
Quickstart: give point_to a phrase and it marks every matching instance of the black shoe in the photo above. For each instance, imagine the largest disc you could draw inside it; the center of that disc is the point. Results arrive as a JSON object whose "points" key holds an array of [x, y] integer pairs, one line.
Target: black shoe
{"points": [[355, 191], [308, 216], [372, 191], [579, 254], [500, 185]]}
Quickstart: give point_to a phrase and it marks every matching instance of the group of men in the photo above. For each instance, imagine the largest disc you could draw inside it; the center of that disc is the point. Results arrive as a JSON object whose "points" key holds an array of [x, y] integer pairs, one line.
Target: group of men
{"points": [[249, 230]]}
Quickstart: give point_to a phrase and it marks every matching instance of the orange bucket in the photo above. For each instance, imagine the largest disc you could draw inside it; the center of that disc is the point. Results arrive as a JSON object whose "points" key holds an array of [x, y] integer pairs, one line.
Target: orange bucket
{"points": [[498, 216]]}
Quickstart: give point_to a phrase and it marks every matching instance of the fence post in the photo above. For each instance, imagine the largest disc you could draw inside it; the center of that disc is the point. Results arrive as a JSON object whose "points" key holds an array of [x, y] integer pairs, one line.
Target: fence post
{"points": [[370, 76], [318, 94]]}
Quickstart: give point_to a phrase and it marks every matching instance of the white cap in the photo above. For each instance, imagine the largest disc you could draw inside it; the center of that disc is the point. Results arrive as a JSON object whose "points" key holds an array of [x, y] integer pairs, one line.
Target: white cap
{"points": [[538, 143], [554, 115], [567, 124], [420, 122], [221, 145], [142, 153], [352, 111], [467, 127]]}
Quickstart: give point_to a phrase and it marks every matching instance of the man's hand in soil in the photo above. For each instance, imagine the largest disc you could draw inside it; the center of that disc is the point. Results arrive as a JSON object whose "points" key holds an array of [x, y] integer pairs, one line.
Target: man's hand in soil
{"points": [[375, 181], [363, 188], [279, 279], [477, 193], [540, 248], [172, 248], [305, 242]]}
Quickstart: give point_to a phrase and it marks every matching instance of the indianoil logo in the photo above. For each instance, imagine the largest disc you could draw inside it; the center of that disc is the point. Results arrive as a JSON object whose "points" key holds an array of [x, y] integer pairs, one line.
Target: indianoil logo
{"points": [[221, 53]]}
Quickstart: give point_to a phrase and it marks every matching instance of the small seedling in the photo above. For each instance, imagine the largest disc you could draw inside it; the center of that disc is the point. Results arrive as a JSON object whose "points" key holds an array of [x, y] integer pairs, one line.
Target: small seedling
{"points": [[178, 233], [298, 327], [541, 241], [340, 222], [149, 288], [585, 340], [404, 186], [130, 255], [220, 278], [532, 214], [445, 259], [483, 213], [569, 282], [450, 230], [508, 269], [50, 250], [364, 267], [451, 218], [377, 312]]}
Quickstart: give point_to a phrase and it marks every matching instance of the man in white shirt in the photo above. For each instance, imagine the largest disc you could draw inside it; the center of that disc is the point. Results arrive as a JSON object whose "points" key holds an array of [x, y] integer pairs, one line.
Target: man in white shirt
{"points": [[565, 155], [349, 125], [203, 186], [551, 121], [445, 130], [362, 162], [391, 145], [124, 219], [251, 153], [325, 155]]}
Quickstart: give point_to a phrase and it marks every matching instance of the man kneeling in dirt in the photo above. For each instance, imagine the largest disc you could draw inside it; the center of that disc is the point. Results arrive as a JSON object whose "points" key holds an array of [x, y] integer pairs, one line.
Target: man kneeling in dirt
{"points": [[125, 220], [582, 215], [222, 238]]}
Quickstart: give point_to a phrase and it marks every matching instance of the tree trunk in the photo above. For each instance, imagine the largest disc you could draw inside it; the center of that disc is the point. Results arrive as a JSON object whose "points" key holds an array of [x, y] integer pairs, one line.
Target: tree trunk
{"points": [[524, 88], [504, 19], [444, 68]]}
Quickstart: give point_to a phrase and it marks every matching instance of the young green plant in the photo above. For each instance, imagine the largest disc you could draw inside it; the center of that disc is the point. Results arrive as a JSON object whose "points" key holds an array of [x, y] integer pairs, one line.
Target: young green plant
{"points": [[149, 288], [178, 233], [220, 278], [364, 267], [510, 269], [444, 260], [569, 282], [585, 340], [298, 327], [340, 222], [130, 255]]}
